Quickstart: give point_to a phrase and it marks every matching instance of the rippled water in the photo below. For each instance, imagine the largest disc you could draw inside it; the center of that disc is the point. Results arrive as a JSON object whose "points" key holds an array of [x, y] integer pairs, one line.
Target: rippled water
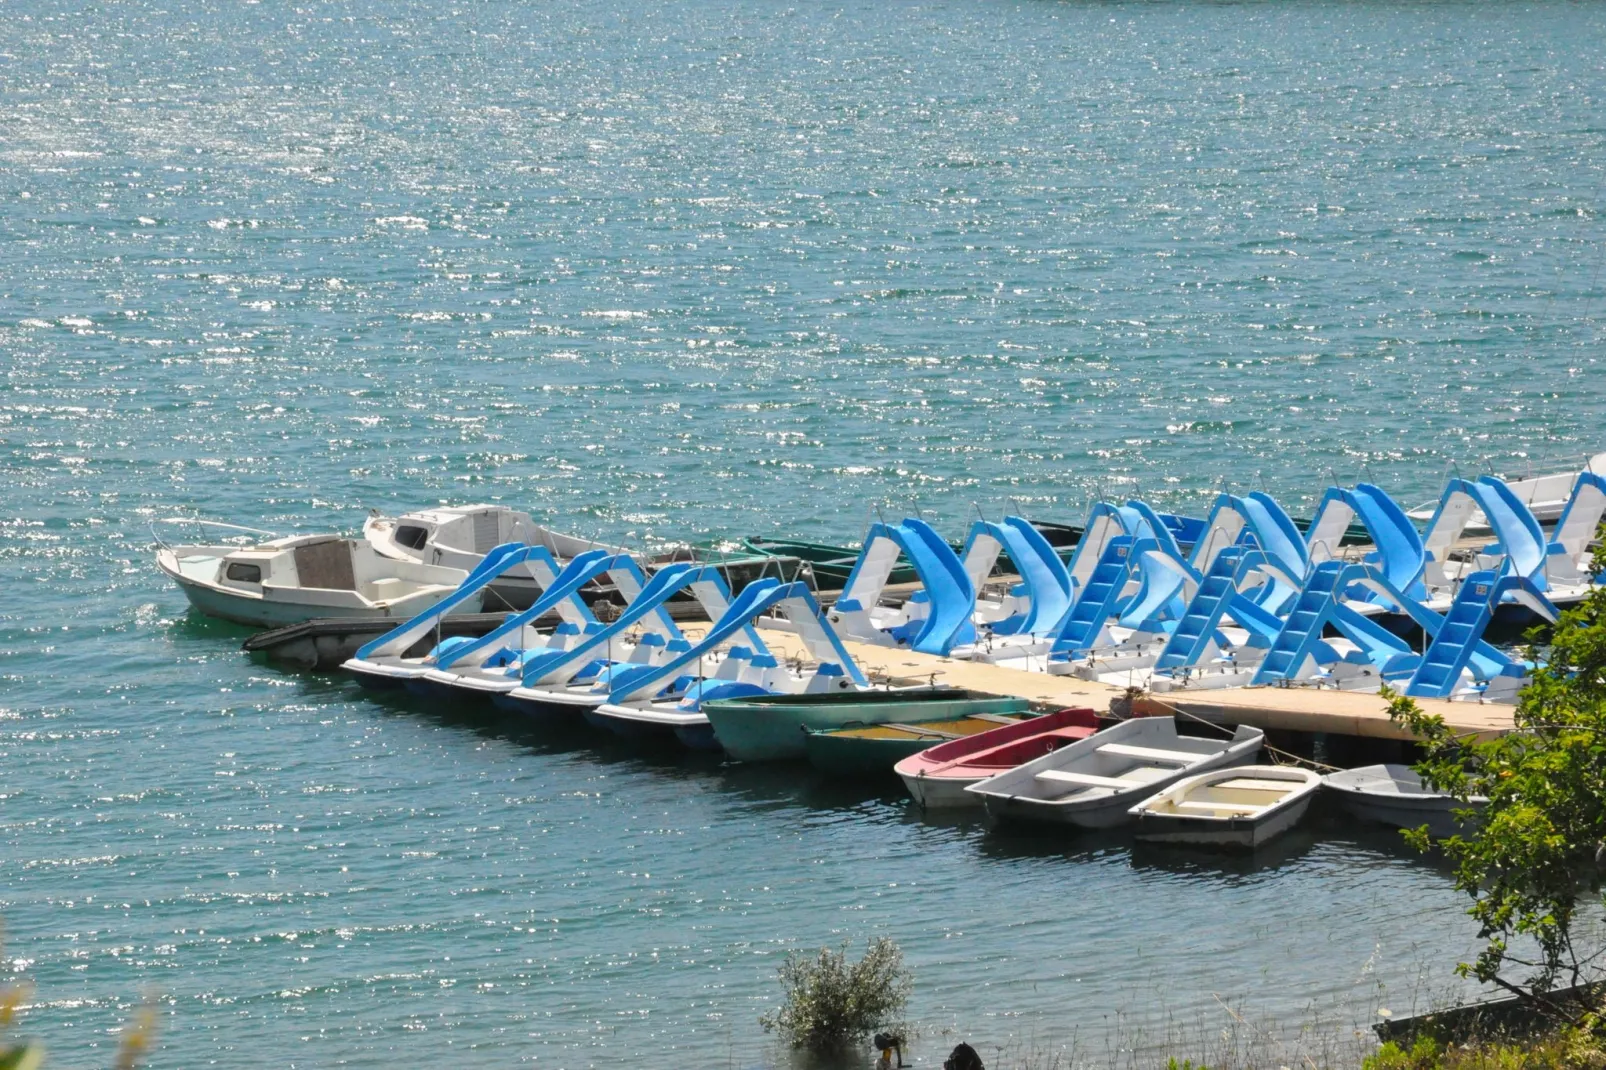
{"points": [[671, 270]]}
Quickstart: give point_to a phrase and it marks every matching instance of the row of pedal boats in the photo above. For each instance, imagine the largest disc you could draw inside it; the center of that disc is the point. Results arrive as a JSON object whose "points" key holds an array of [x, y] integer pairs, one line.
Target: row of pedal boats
{"points": [[1236, 617]]}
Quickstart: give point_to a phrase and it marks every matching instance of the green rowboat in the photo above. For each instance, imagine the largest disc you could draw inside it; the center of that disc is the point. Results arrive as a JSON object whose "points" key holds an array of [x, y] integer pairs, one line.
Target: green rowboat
{"points": [[764, 728], [872, 750]]}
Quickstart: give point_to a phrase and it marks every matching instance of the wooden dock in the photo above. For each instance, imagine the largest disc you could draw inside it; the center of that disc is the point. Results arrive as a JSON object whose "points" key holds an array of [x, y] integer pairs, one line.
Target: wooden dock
{"points": [[323, 644], [1293, 709]]}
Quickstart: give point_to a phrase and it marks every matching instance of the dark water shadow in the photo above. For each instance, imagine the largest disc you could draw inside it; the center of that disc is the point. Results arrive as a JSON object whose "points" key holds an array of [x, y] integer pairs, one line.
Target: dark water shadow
{"points": [[1016, 841], [197, 626]]}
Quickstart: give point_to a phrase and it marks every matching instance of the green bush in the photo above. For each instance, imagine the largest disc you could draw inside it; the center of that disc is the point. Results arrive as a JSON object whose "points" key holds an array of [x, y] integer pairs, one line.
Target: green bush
{"points": [[1565, 1049], [831, 1005]]}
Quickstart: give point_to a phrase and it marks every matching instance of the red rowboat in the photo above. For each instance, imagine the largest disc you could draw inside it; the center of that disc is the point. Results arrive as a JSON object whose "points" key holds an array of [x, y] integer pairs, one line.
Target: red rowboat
{"points": [[938, 776]]}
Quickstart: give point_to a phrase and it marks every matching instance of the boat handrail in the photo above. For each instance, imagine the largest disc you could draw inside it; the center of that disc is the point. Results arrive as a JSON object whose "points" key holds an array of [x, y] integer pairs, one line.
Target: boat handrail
{"points": [[202, 522]]}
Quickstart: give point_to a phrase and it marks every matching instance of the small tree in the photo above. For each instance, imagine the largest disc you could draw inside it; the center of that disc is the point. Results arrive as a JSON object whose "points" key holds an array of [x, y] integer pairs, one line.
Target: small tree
{"points": [[1539, 844], [830, 1005]]}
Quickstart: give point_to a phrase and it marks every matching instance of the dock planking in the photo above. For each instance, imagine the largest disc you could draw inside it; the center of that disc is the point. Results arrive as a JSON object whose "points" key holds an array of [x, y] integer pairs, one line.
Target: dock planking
{"points": [[1294, 709]]}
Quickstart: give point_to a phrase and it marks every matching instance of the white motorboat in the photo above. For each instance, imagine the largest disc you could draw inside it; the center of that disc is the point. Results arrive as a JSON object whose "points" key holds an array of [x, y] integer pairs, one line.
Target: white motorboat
{"points": [[1094, 782], [1395, 795], [459, 536], [287, 580], [1545, 496], [1244, 806]]}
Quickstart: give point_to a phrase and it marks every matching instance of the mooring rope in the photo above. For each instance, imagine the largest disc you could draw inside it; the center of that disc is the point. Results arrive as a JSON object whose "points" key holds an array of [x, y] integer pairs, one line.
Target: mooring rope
{"points": [[1276, 752]]}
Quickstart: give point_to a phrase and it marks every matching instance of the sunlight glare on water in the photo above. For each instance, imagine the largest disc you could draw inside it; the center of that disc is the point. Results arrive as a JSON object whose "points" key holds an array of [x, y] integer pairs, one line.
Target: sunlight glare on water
{"points": [[658, 270]]}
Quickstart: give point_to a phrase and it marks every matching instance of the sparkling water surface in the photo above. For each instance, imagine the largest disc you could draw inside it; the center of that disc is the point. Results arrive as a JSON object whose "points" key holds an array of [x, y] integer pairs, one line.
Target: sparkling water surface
{"points": [[662, 270]]}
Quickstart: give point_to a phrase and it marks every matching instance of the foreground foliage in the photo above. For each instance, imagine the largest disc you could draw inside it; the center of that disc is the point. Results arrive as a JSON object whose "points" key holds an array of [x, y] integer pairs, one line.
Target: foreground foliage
{"points": [[1568, 1049], [1537, 849], [831, 1005]]}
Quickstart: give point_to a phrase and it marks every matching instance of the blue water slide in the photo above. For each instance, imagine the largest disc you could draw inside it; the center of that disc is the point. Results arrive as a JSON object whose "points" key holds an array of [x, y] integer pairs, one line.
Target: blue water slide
{"points": [[1367, 582], [548, 666], [1517, 532], [1400, 553], [1318, 608], [953, 599], [1098, 601], [1458, 643], [756, 598], [1275, 532], [565, 590], [499, 560], [1392, 655], [942, 578], [1104, 522], [1047, 584], [1580, 520], [1199, 626], [1256, 520], [1164, 582], [1144, 523]]}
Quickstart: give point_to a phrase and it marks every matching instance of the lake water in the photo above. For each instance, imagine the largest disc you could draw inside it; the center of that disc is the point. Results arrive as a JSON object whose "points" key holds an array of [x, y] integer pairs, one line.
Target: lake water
{"points": [[667, 270]]}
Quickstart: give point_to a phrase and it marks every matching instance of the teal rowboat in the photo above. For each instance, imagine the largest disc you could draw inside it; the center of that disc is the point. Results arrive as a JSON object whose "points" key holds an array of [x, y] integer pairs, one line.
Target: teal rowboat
{"points": [[872, 750], [766, 728]]}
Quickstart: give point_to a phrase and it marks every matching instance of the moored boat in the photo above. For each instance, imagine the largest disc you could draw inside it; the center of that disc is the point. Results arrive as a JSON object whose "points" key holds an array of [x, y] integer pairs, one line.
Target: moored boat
{"points": [[730, 661], [938, 775], [1393, 794], [460, 536], [287, 580], [1094, 783], [765, 728], [1242, 806], [872, 750]]}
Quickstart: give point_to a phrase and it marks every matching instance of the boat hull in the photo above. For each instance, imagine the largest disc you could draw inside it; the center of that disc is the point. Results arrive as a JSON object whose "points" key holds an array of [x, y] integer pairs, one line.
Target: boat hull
{"points": [[937, 777], [535, 706], [1042, 792], [376, 676], [1360, 792], [942, 792], [844, 756], [766, 731], [852, 752], [265, 613], [1245, 833]]}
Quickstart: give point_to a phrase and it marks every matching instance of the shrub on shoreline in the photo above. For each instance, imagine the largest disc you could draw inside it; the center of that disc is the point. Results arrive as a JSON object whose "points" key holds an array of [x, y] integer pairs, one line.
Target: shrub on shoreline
{"points": [[831, 1005]]}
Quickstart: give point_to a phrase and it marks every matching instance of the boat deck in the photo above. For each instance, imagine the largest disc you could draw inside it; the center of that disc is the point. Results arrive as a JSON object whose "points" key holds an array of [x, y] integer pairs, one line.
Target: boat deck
{"points": [[1348, 713]]}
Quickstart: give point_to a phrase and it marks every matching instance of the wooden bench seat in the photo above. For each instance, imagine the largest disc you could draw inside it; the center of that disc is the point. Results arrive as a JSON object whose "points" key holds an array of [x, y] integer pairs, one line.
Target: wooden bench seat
{"points": [[1084, 780], [1152, 754]]}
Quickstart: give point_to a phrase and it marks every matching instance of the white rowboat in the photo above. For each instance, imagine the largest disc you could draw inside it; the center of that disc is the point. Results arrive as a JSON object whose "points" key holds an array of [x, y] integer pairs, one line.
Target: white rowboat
{"points": [[1244, 806], [1395, 795], [1094, 782]]}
